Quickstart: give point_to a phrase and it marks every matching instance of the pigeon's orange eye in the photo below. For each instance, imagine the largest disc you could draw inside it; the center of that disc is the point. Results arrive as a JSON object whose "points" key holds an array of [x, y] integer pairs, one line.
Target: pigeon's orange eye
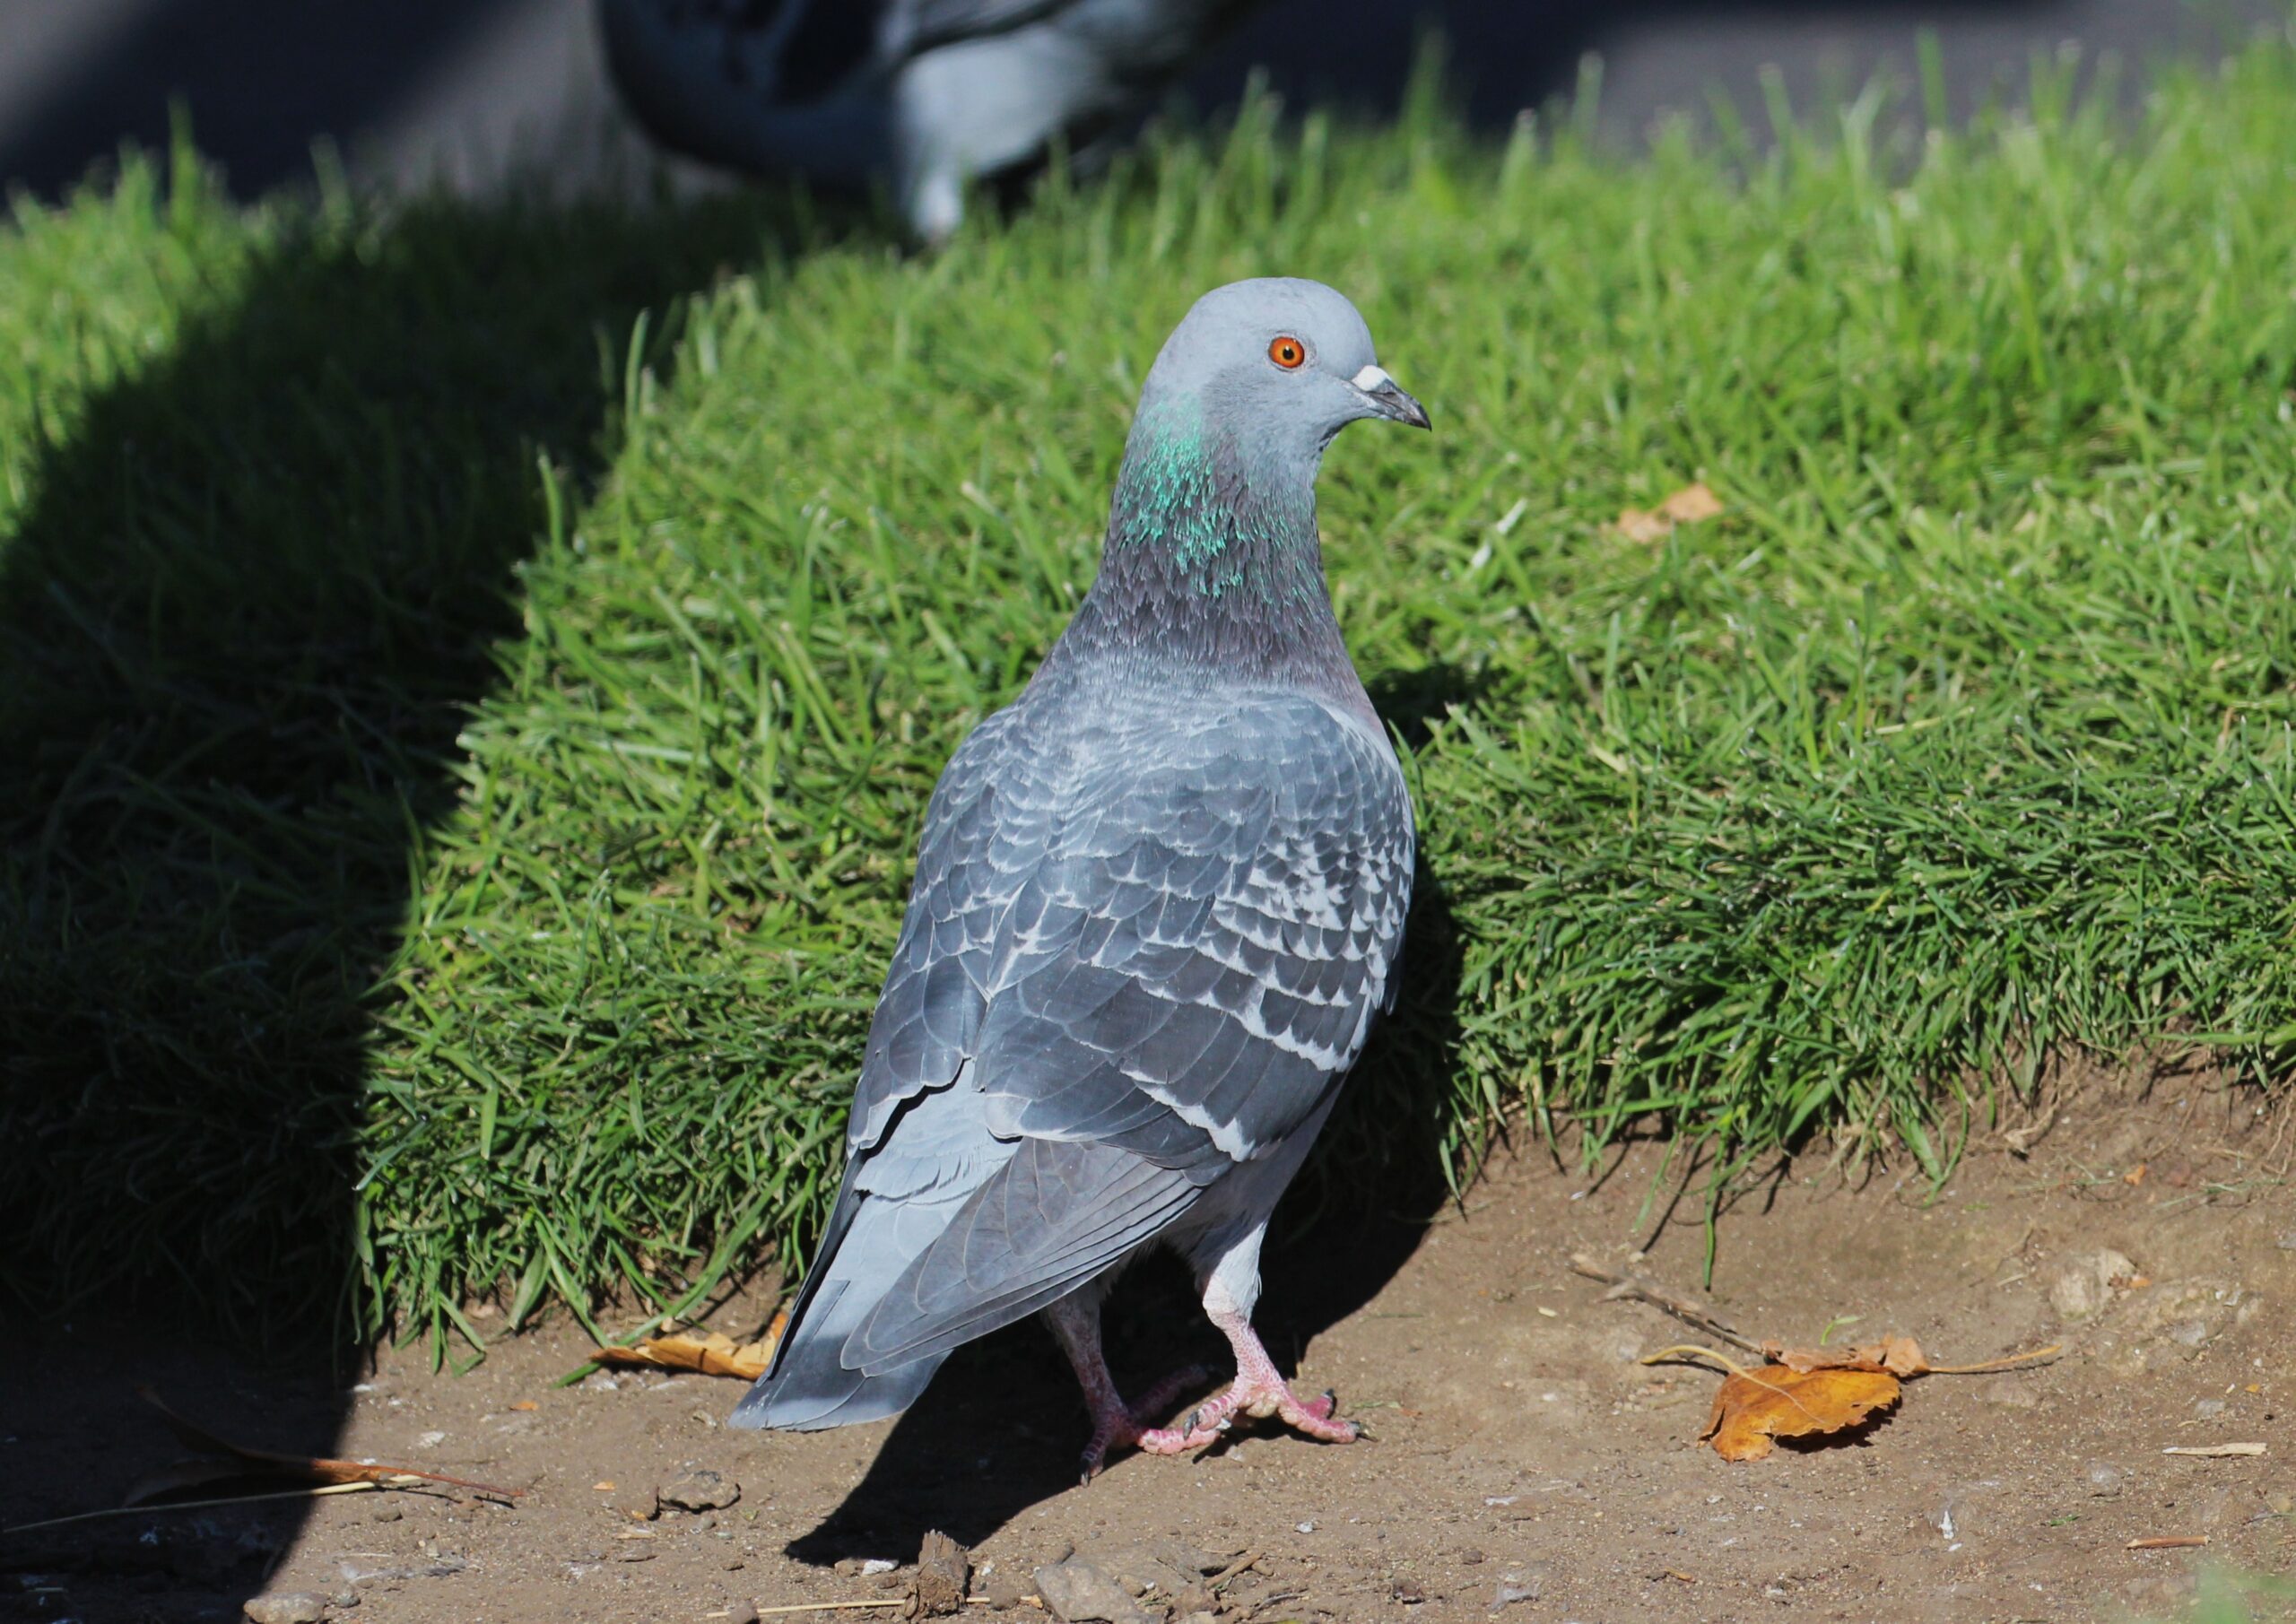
{"points": [[1287, 352]]}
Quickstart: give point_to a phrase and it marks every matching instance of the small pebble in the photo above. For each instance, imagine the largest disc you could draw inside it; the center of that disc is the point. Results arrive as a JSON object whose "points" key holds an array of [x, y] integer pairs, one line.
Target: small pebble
{"points": [[2084, 1286], [698, 1489], [742, 1612], [2104, 1479], [1003, 1592], [2209, 1409], [2009, 1392], [2190, 1333], [287, 1607]]}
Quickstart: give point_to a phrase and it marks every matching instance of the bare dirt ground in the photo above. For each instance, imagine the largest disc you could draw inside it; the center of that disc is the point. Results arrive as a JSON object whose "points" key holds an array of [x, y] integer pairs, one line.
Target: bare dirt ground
{"points": [[1523, 1465]]}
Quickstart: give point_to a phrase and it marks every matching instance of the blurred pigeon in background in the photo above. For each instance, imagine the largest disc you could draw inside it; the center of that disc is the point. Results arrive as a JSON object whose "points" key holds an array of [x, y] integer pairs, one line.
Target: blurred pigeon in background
{"points": [[1157, 908], [927, 92]]}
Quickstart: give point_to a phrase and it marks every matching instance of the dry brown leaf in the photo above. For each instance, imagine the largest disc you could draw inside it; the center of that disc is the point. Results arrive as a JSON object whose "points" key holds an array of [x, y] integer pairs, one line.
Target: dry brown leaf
{"points": [[1690, 504], [1687, 506], [1901, 1356], [227, 1460], [1756, 1407], [1637, 525], [711, 1353]]}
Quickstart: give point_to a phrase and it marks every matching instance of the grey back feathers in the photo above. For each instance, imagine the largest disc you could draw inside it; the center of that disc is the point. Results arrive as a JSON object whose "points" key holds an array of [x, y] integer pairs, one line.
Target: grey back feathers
{"points": [[927, 92], [1158, 901]]}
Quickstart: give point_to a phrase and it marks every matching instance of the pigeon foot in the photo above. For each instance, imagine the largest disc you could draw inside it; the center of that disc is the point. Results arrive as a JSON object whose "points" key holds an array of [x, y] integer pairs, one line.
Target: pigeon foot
{"points": [[1211, 1420], [1117, 1424], [1260, 1391]]}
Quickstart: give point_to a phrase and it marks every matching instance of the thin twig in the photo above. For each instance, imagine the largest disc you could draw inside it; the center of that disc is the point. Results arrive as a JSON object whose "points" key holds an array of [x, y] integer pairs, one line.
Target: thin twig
{"points": [[765, 1613], [1625, 1288], [2007, 1362], [360, 1487], [1232, 1569]]}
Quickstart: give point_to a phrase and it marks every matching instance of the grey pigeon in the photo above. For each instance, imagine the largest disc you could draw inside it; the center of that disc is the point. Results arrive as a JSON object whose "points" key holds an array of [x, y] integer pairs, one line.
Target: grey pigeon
{"points": [[927, 92], [1157, 908]]}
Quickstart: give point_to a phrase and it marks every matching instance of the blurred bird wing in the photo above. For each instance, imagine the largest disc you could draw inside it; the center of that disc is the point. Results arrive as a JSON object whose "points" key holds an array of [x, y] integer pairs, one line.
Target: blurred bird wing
{"points": [[919, 25]]}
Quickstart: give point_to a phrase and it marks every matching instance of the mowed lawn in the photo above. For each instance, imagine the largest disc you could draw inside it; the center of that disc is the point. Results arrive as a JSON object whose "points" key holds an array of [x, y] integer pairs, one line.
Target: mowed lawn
{"points": [[470, 678]]}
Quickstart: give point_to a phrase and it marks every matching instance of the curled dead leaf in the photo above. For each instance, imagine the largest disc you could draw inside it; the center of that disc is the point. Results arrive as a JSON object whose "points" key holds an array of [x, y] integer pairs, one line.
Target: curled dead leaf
{"points": [[1901, 1356], [222, 1461], [711, 1353], [1756, 1407], [1688, 506]]}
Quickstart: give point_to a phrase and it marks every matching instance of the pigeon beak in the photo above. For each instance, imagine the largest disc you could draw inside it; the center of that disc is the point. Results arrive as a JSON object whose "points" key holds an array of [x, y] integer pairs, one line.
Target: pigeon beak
{"points": [[1387, 398]]}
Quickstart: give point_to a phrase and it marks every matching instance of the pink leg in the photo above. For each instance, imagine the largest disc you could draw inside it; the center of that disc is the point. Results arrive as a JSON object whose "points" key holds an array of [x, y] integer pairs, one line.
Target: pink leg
{"points": [[1115, 1423], [1258, 1390]]}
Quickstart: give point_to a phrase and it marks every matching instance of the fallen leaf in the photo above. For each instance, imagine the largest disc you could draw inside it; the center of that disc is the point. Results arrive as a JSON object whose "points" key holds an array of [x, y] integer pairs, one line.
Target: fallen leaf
{"points": [[1901, 1356], [2135, 1175], [226, 1460], [1690, 504], [1756, 1407], [525, 1404], [1687, 506], [712, 1353], [1636, 526], [603, 1485]]}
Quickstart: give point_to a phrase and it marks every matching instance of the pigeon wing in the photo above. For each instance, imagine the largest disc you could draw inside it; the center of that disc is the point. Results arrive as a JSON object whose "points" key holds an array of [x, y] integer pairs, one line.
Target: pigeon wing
{"points": [[1188, 971], [1200, 955], [986, 830]]}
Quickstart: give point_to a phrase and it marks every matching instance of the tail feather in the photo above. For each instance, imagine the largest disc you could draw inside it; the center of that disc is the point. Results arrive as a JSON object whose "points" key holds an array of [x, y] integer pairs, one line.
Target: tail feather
{"points": [[809, 1387], [812, 1389]]}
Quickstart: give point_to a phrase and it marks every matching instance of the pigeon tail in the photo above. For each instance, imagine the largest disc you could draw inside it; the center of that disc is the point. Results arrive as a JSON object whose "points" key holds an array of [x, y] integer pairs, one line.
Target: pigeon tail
{"points": [[809, 1387], [814, 1390]]}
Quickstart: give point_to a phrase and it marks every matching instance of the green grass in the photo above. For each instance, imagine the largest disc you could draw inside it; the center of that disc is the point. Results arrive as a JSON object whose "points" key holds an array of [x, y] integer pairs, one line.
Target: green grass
{"points": [[470, 678], [2229, 1597]]}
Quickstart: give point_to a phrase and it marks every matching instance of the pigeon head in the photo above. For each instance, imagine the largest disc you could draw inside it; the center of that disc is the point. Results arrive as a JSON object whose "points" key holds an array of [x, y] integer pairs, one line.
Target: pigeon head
{"points": [[1212, 560], [1279, 360]]}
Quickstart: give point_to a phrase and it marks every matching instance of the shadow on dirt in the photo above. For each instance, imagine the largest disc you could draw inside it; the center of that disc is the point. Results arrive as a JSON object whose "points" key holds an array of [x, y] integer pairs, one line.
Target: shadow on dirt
{"points": [[256, 587]]}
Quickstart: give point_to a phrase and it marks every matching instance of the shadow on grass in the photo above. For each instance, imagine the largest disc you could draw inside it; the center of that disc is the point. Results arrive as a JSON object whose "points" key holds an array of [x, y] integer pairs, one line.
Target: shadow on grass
{"points": [[243, 617], [1003, 1426]]}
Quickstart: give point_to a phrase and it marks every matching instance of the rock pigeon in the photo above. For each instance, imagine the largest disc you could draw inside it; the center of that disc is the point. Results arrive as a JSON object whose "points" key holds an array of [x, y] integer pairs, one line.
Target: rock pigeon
{"points": [[1157, 909], [929, 92]]}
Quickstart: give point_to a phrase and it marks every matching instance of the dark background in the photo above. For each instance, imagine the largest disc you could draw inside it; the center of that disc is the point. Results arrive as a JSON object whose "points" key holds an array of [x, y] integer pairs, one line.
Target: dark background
{"points": [[410, 90]]}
